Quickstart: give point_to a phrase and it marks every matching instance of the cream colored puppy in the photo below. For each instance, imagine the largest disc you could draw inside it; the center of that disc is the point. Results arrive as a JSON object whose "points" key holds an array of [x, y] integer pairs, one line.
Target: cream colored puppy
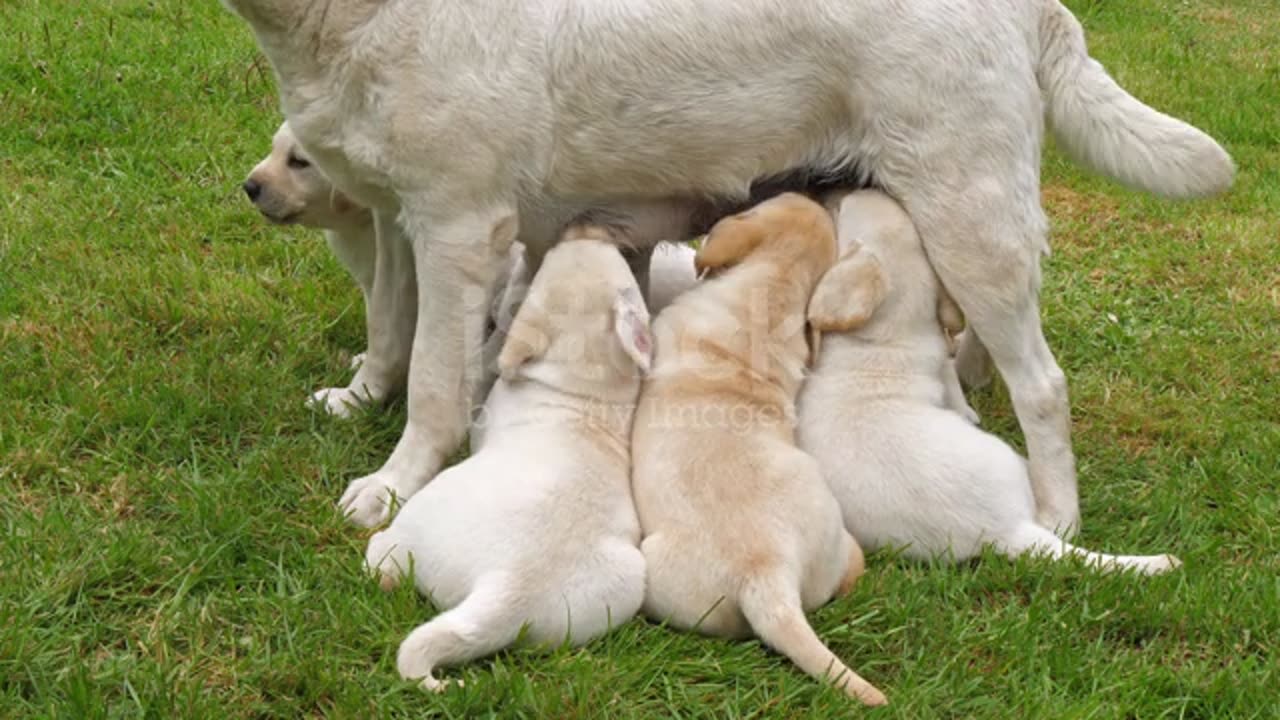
{"points": [[537, 527], [288, 189], [741, 533], [880, 415]]}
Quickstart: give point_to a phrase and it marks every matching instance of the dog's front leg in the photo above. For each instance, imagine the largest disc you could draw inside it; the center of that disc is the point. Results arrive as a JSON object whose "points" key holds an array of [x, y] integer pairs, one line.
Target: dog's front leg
{"points": [[457, 256], [391, 308]]}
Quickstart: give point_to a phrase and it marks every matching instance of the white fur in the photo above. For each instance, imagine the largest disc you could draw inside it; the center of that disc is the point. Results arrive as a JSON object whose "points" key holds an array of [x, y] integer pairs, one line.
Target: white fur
{"points": [[880, 414], [537, 526], [456, 120]]}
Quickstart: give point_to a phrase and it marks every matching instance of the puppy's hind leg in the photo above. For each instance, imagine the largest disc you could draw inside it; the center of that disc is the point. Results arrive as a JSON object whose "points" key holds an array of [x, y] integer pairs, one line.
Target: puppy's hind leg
{"points": [[771, 605], [1034, 539], [857, 566], [482, 624]]}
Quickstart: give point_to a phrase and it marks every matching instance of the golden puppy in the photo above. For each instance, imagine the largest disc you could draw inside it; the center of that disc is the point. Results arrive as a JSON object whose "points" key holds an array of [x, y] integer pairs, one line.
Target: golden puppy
{"points": [[741, 533]]}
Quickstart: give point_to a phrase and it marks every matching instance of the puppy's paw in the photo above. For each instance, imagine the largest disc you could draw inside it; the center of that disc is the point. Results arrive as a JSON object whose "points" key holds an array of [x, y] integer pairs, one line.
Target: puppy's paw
{"points": [[338, 402], [357, 360], [368, 500], [968, 413]]}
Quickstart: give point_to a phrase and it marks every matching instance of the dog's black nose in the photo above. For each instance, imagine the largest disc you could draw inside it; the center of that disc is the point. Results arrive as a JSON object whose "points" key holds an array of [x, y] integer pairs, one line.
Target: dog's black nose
{"points": [[252, 189]]}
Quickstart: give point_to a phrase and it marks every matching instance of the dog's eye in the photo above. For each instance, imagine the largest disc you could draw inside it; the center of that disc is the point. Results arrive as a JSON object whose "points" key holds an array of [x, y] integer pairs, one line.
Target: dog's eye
{"points": [[298, 163]]}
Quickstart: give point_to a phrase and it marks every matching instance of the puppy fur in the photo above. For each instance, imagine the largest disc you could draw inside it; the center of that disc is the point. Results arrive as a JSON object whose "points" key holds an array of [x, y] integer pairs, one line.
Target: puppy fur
{"points": [[909, 469], [741, 534], [537, 527]]}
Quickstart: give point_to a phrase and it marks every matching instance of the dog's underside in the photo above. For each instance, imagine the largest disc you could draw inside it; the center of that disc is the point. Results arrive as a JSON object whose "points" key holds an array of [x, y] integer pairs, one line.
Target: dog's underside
{"points": [[463, 122]]}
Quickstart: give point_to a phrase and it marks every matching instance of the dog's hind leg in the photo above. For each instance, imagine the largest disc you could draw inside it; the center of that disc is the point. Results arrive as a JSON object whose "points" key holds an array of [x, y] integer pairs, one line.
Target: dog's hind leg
{"points": [[482, 624], [857, 566], [984, 236], [1033, 539]]}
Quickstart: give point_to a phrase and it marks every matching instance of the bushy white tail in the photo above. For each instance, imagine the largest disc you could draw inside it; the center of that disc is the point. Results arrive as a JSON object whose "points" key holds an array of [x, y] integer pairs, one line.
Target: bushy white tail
{"points": [[1110, 131], [772, 607]]}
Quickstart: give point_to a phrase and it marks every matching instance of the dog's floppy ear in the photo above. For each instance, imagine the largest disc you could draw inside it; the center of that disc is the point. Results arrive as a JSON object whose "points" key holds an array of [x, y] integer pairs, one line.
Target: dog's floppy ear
{"points": [[729, 241], [848, 293], [631, 325], [527, 340]]}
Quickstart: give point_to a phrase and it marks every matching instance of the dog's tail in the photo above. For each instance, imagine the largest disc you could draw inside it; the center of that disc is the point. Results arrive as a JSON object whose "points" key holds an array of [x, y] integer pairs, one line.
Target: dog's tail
{"points": [[1034, 539], [1112, 132], [486, 621], [772, 607]]}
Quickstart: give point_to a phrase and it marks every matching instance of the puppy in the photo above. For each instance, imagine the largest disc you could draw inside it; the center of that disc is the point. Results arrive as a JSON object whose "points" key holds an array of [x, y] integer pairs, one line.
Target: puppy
{"points": [[741, 533], [289, 190], [670, 274], [879, 410], [537, 527]]}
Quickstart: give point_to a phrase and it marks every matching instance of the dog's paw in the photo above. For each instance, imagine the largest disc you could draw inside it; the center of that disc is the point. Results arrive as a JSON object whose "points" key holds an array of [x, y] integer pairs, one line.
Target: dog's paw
{"points": [[368, 500], [357, 360], [338, 402], [968, 413]]}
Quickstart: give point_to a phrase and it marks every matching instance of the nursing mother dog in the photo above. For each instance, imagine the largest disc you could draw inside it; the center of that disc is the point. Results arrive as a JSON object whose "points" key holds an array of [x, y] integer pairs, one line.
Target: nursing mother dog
{"points": [[461, 122]]}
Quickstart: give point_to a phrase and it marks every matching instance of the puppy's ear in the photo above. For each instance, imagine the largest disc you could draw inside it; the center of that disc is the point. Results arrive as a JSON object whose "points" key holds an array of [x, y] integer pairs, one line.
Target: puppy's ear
{"points": [[631, 325], [729, 241], [949, 314], [848, 293], [527, 340]]}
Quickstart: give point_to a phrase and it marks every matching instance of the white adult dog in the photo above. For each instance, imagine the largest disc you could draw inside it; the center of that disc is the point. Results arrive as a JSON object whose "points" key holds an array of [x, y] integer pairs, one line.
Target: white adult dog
{"points": [[459, 122], [908, 467], [537, 527], [741, 534], [288, 189]]}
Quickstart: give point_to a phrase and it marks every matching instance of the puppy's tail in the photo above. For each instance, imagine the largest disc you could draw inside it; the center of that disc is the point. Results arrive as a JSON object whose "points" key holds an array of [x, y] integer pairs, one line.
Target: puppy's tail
{"points": [[772, 607], [1110, 131], [485, 622], [1032, 538]]}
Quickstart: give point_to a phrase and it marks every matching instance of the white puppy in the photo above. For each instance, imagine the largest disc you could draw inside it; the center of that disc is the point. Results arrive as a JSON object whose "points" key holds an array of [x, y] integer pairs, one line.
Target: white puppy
{"points": [[878, 411], [670, 273], [741, 533], [461, 122], [288, 189], [537, 527]]}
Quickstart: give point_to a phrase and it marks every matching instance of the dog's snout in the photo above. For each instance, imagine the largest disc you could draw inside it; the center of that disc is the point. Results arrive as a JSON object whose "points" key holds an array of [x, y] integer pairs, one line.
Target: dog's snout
{"points": [[252, 189]]}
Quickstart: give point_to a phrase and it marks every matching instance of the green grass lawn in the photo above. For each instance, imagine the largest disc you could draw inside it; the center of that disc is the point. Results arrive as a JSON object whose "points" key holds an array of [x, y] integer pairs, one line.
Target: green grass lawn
{"points": [[171, 546]]}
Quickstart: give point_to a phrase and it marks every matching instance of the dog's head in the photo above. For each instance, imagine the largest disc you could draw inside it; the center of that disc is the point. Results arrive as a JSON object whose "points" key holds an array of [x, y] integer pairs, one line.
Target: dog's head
{"points": [[790, 228], [287, 188], [882, 272], [583, 321]]}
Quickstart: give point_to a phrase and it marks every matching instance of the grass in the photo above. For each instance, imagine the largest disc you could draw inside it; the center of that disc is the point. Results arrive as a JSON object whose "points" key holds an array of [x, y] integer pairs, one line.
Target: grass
{"points": [[171, 547]]}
